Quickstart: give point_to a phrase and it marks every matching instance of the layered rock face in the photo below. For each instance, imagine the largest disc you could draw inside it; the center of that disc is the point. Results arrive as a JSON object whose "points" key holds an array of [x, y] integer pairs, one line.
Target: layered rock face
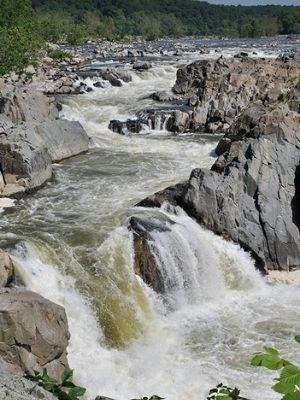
{"points": [[251, 195], [31, 138], [210, 94], [33, 333], [222, 89]]}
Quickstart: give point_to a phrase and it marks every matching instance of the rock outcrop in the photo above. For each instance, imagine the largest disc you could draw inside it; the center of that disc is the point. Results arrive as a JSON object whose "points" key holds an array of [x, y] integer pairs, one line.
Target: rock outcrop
{"points": [[251, 195], [32, 137], [210, 94], [33, 333], [6, 269], [144, 263], [13, 387]]}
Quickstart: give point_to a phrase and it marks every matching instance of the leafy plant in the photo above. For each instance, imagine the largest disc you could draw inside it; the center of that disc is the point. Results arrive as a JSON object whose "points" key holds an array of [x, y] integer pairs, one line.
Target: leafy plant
{"points": [[66, 390], [222, 392], [59, 54], [288, 383]]}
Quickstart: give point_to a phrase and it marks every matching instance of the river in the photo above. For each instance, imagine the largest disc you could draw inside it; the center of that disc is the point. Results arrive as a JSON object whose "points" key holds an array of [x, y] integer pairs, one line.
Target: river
{"points": [[71, 244]]}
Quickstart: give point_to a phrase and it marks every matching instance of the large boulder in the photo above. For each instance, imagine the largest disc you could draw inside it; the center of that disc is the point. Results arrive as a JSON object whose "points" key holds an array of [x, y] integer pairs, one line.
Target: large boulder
{"points": [[31, 138], [33, 333], [251, 195], [14, 387], [144, 260], [63, 138], [6, 269]]}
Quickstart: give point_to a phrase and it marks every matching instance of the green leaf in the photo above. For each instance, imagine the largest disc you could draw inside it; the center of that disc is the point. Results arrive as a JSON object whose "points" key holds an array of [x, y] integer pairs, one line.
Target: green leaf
{"points": [[63, 396], [269, 361], [289, 379], [76, 392], [297, 338], [67, 375], [292, 396], [271, 350]]}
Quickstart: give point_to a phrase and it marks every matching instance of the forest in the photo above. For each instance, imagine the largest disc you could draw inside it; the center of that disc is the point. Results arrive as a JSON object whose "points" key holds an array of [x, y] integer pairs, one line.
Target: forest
{"points": [[26, 25]]}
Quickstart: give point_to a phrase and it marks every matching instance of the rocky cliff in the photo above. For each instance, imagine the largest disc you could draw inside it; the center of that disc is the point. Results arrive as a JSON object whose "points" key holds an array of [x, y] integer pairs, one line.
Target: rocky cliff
{"points": [[251, 193], [209, 95], [32, 137]]}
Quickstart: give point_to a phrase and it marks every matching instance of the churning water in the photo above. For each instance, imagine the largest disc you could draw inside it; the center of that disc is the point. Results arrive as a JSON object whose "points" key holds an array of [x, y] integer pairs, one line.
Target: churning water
{"points": [[71, 245]]}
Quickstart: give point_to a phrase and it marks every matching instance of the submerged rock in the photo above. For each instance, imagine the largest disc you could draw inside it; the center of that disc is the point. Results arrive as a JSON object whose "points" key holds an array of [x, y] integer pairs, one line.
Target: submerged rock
{"points": [[34, 333]]}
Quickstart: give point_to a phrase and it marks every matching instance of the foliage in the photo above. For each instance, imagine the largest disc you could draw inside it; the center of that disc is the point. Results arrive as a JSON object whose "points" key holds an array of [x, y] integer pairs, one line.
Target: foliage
{"points": [[19, 43], [222, 392], [66, 390], [114, 19], [58, 54], [288, 383]]}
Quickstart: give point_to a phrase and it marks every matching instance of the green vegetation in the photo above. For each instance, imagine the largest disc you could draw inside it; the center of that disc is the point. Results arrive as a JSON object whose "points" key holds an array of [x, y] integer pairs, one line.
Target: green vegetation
{"points": [[25, 25], [114, 19], [58, 54], [287, 384], [65, 390], [19, 41]]}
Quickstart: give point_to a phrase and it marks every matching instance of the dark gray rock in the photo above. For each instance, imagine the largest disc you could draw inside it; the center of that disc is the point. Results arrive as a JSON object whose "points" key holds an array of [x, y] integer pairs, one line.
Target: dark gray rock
{"points": [[144, 261], [251, 195]]}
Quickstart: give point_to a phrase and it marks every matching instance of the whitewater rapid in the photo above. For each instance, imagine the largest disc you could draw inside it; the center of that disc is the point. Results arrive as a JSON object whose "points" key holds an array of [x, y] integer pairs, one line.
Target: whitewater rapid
{"points": [[71, 244]]}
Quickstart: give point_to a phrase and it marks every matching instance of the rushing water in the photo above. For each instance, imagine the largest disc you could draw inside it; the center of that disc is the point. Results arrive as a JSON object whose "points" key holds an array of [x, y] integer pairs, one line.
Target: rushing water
{"points": [[71, 244]]}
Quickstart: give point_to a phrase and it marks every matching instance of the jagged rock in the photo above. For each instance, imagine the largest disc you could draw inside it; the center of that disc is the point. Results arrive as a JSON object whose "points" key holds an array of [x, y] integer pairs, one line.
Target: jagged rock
{"points": [[31, 138], [144, 261], [25, 161], [220, 90], [251, 195], [141, 66], [6, 269], [14, 387], [33, 331], [125, 127], [169, 195]]}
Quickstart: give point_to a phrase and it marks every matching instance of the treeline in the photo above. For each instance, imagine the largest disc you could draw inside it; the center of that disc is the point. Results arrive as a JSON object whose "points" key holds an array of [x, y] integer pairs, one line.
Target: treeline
{"points": [[25, 25], [159, 18]]}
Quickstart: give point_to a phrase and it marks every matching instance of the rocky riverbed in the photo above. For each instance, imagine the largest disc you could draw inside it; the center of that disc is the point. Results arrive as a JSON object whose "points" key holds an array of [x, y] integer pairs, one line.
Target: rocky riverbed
{"points": [[249, 195]]}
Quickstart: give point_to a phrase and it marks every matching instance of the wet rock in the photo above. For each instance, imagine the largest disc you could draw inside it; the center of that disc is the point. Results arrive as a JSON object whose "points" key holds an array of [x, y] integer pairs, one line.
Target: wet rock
{"points": [[6, 269], [251, 195], [142, 66], [14, 387], [164, 96], [144, 262], [126, 127], [169, 195], [31, 138], [241, 55], [34, 332]]}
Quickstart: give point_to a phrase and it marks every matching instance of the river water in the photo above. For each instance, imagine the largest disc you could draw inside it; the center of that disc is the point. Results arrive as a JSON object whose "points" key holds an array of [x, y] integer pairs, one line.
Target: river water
{"points": [[71, 244]]}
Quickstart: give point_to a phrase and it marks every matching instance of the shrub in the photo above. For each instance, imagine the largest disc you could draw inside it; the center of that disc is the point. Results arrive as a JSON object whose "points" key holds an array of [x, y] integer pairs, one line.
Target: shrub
{"points": [[66, 390]]}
